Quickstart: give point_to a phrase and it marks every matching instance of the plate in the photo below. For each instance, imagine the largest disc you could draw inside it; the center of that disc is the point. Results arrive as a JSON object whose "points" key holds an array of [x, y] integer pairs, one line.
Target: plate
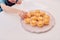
{"points": [[37, 29]]}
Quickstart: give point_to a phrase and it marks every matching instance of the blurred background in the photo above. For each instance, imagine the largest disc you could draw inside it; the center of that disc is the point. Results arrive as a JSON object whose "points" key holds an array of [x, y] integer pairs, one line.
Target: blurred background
{"points": [[11, 28]]}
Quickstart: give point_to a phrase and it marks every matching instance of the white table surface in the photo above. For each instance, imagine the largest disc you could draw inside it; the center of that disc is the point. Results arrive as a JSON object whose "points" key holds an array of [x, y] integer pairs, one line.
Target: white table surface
{"points": [[11, 29]]}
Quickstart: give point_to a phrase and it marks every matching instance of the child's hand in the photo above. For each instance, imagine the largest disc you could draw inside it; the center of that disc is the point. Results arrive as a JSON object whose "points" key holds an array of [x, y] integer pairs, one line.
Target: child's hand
{"points": [[23, 14], [19, 2]]}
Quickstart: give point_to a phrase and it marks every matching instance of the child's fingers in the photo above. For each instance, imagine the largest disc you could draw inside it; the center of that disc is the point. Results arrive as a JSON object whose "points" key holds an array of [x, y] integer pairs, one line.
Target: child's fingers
{"points": [[23, 14]]}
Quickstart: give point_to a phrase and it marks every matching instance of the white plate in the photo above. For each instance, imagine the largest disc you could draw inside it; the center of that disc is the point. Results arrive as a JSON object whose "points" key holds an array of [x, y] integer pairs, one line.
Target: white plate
{"points": [[37, 29]]}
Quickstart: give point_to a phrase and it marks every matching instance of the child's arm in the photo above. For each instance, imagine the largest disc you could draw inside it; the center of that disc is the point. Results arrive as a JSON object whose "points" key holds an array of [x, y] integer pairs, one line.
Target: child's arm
{"points": [[9, 9], [13, 10]]}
